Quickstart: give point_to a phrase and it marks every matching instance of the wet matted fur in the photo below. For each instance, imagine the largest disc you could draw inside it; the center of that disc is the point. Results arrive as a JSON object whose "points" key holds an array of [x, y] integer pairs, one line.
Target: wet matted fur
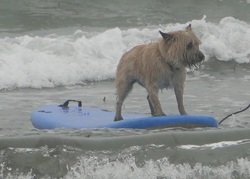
{"points": [[156, 66]]}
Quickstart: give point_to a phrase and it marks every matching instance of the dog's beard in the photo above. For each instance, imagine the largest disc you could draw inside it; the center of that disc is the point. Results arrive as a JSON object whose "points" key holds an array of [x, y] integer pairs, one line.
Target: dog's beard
{"points": [[194, 68], [195, 65]]}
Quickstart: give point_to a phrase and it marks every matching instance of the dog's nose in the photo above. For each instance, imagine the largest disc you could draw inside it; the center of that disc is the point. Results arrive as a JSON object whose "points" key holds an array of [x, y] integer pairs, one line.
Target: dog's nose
{"points": [[201, 56]]}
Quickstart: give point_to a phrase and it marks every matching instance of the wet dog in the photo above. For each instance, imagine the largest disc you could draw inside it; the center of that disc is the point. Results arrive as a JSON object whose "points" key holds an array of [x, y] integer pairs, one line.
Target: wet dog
{"points": [[156, 66]]}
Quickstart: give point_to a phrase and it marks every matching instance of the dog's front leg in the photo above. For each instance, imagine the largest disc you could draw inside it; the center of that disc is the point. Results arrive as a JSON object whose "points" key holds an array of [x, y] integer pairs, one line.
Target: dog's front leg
{"points": [[179, 97], [152, 110], [154, 102]]}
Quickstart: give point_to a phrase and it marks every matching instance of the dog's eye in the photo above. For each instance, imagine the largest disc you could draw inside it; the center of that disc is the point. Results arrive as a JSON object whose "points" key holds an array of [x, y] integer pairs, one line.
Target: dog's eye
{"points": [[190, 45]]}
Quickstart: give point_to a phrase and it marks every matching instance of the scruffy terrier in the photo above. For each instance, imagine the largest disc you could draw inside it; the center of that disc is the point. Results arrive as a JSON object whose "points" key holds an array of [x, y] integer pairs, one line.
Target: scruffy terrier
{"points": [[158, 65]]}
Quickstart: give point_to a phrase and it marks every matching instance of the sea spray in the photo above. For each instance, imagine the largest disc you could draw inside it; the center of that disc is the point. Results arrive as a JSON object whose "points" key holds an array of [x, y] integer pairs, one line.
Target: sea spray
{"points": [[61, 60]]}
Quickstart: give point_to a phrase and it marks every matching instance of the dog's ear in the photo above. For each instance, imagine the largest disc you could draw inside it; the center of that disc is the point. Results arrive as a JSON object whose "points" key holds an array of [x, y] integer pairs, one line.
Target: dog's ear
{"points": [[189, 28], [166, 36]]}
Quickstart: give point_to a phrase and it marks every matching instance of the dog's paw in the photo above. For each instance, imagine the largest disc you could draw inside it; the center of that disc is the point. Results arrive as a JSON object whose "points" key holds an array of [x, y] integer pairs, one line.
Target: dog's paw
{"points": [[118, 118], [156, 115]]}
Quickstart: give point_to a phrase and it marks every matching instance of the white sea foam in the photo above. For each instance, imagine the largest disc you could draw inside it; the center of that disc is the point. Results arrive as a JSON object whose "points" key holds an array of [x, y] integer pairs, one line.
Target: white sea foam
{"points": [[161, 168], [222, 144], [55, 60], [93, 167]]}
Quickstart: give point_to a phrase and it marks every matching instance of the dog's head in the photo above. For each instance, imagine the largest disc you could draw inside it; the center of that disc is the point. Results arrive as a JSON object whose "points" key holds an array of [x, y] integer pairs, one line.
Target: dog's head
{"points": [[181, 48]]}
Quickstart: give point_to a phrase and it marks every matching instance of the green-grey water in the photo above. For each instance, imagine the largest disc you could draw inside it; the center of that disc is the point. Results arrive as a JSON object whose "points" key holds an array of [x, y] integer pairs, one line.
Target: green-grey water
{"points": [[51, 51]]}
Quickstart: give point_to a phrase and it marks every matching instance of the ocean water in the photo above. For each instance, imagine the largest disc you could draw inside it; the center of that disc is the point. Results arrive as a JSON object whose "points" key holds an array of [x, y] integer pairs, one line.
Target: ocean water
{"points": [[51, 51]]}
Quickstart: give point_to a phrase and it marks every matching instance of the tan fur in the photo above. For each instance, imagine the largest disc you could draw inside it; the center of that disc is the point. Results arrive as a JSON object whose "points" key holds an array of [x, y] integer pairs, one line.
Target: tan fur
{"points": [[158, 65]]}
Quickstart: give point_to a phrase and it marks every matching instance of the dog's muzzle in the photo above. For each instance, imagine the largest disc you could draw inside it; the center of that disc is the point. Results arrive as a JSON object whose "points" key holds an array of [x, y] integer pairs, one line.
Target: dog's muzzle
{"points": [[201, 56]]}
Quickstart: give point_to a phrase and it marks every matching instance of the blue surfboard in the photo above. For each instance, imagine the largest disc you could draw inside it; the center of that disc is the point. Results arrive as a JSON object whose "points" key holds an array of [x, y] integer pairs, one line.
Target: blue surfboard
{"points": [[64, 116]]}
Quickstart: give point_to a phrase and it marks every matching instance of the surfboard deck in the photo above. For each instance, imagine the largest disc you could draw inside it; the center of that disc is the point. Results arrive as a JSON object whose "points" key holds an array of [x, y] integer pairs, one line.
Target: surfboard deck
{"points": [[54, 116]]}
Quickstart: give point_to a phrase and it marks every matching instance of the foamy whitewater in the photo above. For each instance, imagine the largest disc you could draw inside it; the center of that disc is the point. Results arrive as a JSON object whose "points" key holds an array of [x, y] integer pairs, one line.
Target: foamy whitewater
{"points": [[31, 61], [52, 51]]}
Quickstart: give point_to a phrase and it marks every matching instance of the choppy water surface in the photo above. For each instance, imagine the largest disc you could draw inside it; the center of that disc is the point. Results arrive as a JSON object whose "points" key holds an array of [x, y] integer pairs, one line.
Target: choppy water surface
{"points": [[51, 51]]}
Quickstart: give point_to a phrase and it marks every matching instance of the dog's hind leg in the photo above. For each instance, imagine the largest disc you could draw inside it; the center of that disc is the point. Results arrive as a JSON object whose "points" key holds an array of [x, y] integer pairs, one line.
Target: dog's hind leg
{"points": [[151, 106], [122, 91]]}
